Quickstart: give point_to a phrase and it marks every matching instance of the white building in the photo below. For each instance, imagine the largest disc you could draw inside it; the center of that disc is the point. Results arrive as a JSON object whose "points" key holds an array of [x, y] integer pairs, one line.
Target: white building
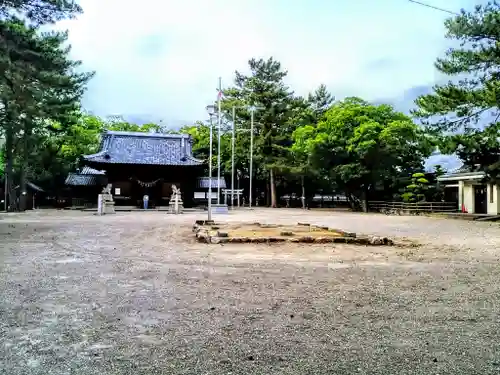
{"points": [[475, 196]]}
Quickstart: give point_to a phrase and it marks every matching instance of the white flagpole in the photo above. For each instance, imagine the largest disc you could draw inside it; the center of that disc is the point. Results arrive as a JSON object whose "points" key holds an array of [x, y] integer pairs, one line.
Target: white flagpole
{"points": [[232, 157], [219, 119]]}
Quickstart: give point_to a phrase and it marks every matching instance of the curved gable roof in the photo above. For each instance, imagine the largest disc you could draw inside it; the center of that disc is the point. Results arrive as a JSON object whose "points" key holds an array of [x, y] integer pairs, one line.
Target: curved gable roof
{"points": [[144, 148]]}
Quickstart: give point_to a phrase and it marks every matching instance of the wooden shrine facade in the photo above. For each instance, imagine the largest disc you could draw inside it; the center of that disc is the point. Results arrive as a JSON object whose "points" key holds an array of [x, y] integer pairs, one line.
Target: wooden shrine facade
{"points": [[138, 164]]}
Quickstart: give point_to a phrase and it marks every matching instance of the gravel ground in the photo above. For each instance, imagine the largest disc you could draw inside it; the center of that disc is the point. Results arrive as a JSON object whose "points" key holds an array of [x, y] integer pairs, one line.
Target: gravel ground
{"points": [[133, 293]]}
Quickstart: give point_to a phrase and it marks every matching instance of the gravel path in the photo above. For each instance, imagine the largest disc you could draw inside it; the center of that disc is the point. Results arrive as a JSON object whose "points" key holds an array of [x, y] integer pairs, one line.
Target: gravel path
{"points": [[134, 294]]}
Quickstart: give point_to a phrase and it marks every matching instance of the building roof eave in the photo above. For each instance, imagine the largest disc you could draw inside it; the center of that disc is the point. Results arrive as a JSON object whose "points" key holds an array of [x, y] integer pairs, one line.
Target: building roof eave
{"points": [[94, 156], [195, 160], [465, 176]]}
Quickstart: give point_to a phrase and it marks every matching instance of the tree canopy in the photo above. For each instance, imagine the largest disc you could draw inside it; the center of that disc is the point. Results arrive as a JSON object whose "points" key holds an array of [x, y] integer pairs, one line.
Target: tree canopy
{"points": [[362, 147], [39, 85], [39, 11], [301, 144], [274, 105], [464, 112]]}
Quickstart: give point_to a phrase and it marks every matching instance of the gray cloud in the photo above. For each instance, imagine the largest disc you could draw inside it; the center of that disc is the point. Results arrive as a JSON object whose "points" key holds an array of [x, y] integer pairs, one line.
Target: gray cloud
{"points": [[406, 101], [164, 64]]}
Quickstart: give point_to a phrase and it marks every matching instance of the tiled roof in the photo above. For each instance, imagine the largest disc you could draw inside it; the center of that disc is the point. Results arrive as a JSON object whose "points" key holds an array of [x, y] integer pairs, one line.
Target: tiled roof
{"points": [[76, 179], [144, 148], [86, 177], [463, 173], [88, 170], [462, 170], [203, 183], [447, 162]]}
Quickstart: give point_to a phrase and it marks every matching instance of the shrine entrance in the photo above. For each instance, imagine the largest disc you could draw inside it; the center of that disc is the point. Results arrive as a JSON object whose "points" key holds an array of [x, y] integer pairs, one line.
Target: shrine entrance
{"points": [[158, 191], [153, 189]]}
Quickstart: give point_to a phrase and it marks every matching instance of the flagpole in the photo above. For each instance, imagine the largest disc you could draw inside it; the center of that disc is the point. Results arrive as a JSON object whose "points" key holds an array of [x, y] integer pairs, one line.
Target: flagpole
{"points": [[219, 119], [251, 158], [232, 157], [252, 110]]}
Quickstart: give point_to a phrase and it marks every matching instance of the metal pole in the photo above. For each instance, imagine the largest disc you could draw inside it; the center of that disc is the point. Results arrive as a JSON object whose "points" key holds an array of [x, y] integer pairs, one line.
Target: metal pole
{"points": [[232, 157], [6, 194], [251, 159], [219, 120], [239, 192], [210, 174]]}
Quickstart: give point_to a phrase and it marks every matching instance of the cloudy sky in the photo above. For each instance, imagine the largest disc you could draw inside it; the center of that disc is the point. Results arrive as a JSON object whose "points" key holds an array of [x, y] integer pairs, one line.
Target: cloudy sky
{"points": [[161, 59]]}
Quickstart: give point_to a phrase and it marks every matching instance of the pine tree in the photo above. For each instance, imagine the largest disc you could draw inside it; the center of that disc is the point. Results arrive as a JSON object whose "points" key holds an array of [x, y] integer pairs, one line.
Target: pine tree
{"points": [[38, 83], [39, 11], [264, 88], [465, 112], [25, 89], [320, 100]]}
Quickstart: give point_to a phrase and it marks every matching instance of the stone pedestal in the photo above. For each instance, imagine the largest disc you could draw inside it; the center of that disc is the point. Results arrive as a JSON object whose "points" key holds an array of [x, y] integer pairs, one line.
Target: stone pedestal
{"points": [[172, 207], [105, 204], [109, 206]]}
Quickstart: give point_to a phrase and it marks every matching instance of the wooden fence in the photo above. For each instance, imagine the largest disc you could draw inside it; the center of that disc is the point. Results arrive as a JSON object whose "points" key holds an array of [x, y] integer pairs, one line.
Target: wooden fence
{"points": [[411, 208]]}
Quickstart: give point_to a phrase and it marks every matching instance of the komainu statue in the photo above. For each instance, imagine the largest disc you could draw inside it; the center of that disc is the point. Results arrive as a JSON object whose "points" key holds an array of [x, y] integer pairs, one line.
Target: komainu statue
{"points": [[175, 203], [107, 189]]}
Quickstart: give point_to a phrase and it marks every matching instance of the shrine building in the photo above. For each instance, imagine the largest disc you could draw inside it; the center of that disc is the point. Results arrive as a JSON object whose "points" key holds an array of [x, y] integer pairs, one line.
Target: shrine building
{"points": [[138, 164]]}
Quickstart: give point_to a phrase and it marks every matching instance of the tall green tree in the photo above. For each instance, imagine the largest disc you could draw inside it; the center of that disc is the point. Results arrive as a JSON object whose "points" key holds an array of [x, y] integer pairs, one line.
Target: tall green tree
{"points": [[363, 147], [265, 89], [39, 82], [25, 58], [465, 111], [305, 117]]}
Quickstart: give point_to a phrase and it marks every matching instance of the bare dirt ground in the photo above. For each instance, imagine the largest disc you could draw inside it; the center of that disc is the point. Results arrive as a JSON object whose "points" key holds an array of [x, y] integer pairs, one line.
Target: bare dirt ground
{"points": [[134, 294]]}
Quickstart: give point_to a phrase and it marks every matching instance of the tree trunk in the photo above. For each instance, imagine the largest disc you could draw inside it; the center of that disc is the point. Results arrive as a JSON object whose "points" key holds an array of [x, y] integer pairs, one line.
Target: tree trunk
{"points": [[23, 198], [272, 186], [303, 192], [353, 201], [268, 194], [364, 200], [6, 177], [350, 200], [10, 202]]}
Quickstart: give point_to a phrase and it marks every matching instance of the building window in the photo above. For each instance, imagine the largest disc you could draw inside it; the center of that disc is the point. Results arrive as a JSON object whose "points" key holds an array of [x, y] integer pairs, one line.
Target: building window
{"points": [[491, 193]]}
